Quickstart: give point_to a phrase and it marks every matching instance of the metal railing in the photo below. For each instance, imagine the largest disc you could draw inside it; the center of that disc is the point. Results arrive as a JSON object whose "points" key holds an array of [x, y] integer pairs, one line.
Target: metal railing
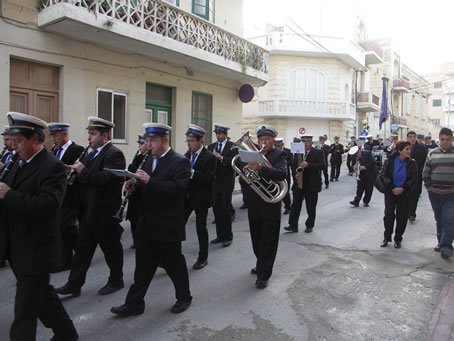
{"points": [[176, 24]]}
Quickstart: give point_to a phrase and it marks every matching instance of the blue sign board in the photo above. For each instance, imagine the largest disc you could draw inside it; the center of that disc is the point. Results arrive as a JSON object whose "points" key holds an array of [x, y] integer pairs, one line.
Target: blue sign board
{"points": [[394, 127]]}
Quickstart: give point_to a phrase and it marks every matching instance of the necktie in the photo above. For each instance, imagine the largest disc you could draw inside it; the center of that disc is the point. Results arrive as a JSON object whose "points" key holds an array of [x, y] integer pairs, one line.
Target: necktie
{"points": [[59, 152], [219, 148], [193, 157], [155, 163], [93, 154]]}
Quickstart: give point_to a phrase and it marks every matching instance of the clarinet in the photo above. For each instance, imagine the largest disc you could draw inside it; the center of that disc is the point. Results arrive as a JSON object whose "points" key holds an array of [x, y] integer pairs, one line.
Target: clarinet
{"points": [[6, 170], [4, 152], [53, 148], [119, 215], [82, 155]]}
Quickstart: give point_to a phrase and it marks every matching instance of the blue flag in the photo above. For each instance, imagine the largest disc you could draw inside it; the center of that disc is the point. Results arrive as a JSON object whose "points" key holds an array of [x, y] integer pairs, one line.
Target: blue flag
{"points": [[384, 104]]}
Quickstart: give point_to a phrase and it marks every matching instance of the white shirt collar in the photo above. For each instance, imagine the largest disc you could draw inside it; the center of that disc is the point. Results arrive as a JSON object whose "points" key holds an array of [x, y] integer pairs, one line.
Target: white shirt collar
{"points": [[101, 148], [33, 156]]}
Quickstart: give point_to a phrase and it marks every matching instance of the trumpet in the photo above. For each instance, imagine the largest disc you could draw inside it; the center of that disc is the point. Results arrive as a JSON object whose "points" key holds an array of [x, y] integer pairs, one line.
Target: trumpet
{"points": [[81, 156], [119, 215], [270, 191]]}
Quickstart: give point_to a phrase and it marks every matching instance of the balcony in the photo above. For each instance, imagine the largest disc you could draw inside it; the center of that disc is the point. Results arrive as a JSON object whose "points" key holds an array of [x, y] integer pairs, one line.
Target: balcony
{"points": [[401, 85], [374, 53], [346, 51], [367, 102], [400, 121], [324, 110], [160, 31]]}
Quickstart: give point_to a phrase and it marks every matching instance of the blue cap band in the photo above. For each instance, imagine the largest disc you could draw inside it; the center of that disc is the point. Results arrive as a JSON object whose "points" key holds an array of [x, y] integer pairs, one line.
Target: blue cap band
{"points": [[156, 130]]}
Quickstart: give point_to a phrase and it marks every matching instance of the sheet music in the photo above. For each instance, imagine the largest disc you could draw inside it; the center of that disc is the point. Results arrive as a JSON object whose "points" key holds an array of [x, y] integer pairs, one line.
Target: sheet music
{"points": [[297, 148], [250, 156], [124, 173]]}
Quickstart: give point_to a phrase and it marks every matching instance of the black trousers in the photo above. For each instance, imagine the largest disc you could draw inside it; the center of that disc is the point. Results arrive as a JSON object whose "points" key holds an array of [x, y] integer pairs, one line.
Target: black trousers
{"points": [[414, 198], [264, 226], [351, 161], [396, 208], [69, 235], [148, 254], [36, 299], [110, 244], [223, 214], [325, 174], [335, 169], [202, 231], [311, 207], [363, 186]]}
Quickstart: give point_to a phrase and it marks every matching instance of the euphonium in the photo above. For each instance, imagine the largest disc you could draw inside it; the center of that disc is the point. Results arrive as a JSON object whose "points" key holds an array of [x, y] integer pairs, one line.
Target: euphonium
{"points": [[270, 191]]}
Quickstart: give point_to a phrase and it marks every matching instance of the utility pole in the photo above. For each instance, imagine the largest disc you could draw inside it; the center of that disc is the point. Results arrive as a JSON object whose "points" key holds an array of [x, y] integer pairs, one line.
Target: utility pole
{"points": [[449, 109]]}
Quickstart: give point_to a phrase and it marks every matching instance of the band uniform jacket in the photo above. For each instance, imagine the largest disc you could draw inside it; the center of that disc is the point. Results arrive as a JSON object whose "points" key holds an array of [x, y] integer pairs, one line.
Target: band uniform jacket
{"points": [[336, 152], [72, 153], [225, 175], [100, 190], [134, 203], [312, 178], [371, 172], [277, 173], [419, 154], [162, 215], [30, 214], [200, 187], [326, 149], [288, 160]]}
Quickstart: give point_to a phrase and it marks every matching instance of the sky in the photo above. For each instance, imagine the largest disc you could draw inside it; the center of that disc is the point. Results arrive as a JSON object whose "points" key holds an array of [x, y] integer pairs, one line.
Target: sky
{"points": [[423, 29]]}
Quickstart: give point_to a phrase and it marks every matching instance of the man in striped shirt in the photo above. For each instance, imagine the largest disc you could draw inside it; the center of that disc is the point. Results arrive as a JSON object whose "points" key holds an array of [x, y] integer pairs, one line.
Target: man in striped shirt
{"points": [[438, 178]]}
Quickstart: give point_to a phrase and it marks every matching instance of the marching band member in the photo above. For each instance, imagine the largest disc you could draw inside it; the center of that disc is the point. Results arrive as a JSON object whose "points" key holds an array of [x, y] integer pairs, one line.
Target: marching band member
{"points": [[429, 143], [336, 150], [390, 149], [67, 152], [325, 148], [200, 189], [367, 172], [289, 158], [161, 186], [350, 159], [312, 165], [30, 200], [134, 203], [99, 199], [371, 143], [265, 218], [224, 184], [8, 152]]}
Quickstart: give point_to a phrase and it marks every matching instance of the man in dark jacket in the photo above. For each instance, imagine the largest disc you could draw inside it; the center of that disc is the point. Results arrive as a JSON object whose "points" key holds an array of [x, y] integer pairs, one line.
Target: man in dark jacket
{"points": [[336, 150], [134, 204], [99, 200], [367, 172], [161, 229], [350, 159], [30, 201], [419, 154], [223, 188], [200, 189], [312, 166], [67, 152], [326, 149], [288, 159], [265, 218]]}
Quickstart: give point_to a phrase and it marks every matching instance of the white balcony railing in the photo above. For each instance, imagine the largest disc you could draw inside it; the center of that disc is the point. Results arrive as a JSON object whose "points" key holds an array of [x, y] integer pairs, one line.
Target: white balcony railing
{"points": [[169, 21], [307, 109]]}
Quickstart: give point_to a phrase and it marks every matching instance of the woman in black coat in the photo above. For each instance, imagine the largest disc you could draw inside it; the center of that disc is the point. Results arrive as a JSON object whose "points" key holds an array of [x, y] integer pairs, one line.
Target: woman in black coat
{"points": [[399, 175]]}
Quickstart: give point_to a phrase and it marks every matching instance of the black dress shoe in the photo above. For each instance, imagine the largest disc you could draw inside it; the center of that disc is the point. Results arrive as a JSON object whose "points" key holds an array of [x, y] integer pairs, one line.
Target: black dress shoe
{"points": [[411, 218], [365, 204], [68, 289], [291, 229], [331, 180], [308, 229], [200, 264], [66, 337], [437, 248], [287, 211], [354, 203], [2, 264], [337, 179], [180, 306], [216, 241], [110, 288], [397, 244], [125, 310], [243, 207], [261, 283], [227, 243], [384, 243], [254, 271], [326, 186]]}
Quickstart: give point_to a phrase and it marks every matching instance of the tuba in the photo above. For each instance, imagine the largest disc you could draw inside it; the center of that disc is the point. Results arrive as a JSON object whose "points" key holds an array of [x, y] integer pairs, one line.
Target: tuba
{"points": [[270, 191]]}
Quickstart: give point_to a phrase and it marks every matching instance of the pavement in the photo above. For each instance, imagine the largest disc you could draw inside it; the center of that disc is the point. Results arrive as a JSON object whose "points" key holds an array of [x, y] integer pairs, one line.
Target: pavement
{"points": [[335, 283]]}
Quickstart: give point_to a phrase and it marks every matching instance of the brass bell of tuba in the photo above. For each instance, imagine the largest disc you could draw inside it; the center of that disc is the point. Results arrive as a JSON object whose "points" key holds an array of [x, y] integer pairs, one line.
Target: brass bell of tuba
{"points": [[270, 191]]}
